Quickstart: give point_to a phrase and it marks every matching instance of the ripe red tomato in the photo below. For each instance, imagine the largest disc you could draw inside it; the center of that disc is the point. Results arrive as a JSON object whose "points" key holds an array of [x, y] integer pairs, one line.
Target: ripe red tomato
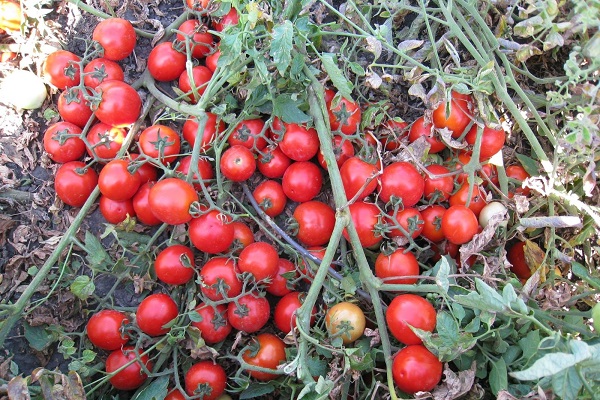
{"points": [[438, 189], [459, 224], [105, 141], [285, 311], [518, 173], [165, 62], [214, 326], [270, 197], [197, 5], [62, 69], [212, 60], [299, 143], [201, 41], [249, 133], [205, 170], [200, 78], [478, 198], [454, 115], [516, 256], [413, 310], [432, 226], [402, 180], [206, 379], [237, 163], [409, 219], [342, 149], [104, 329], [117, 38], [211, 130], [315, 223], [160, 142], [141, 205], [116, 211], [116, 181], [60, 147], [492, 141], [268, 351], [282, 281], [175, 394], [74, 182], [416, 369], [146, 171], [231, 18], [259, 259], [120, 104], [355, 173], [392, 133], [101, 69], [242, 235], [73, 107], [132, 376], [420, 128], [345, 116], [394, 267], [174, 265], [219, 277], [211, 232], [250, 313], [154, 312], [346, 320], [365, 216], [302, 181], [170, 200], [487, 170], [273, 163]]}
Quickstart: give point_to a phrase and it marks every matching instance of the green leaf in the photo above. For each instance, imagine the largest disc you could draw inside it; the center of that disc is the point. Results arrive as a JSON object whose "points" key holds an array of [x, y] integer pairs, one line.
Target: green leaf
{"points": [[530, 165], [157, 390], [287, 107], [485, 299], [38, 337], [510, 297], [583, 273], [339, 80], [530, 344], [82, 287], [317, 366], [231, 49], [567, 384], [357, 68], [96, 255], [498, 376], [255, 390], [88, 356], [449, 343], [554, 363], [348, 284], [441, 278], [281, 45]]}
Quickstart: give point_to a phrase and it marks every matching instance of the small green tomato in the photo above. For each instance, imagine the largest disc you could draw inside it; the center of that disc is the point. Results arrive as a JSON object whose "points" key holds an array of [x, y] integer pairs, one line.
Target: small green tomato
{"points": [[491, 209]]}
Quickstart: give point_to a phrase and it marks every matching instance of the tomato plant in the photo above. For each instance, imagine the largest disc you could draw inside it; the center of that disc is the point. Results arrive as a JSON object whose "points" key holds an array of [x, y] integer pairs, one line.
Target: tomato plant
{"points": [[101, 69], [344, 116], [195, 85], [459, 224], [282, 282], [73, 107], [212, 129], [270, 197], [516, 256], [454, 115], [214, 325], [237, 163], [105, 141], [219, 278], [119, 105], [273, 163], [132, 376], [345, 320], [174, 265], [166, 62], [207, 379], [402, 180], [365, 217], [518, 173], [358, 178], [116, 211], [432, 222], [61, 142], [116, 36], [410, 310], [492, 141], [421, 128], [154, 312], [201, 41], [302, 181], [160, 142], [211, 232], [393, 268], [170, 200], [74, 183], [141, 205], [315, 221], [477, 201], [259, 259], [416, 369], [410, 219], [249, 313], [61, 68], [342, 149], [438, 189], [267, 351], [205, 171], [299, 143], [117, 182], [285, 311], [242, 235], [105, 329]]}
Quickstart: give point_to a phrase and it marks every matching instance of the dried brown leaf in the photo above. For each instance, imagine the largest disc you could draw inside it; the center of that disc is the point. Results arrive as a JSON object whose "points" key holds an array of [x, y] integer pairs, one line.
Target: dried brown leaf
{"points": [[17, 389]]}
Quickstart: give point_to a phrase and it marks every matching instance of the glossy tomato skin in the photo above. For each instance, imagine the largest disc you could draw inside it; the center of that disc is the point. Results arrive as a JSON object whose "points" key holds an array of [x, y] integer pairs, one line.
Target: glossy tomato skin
{"points": [[74, 182], [170, 200], [101, 69], [175, 394], [421, 128], [165, 63], [402, 179], [342, 149], [355, 173], [342, 314], [280, 285], [197, 5], [212, 128], [259, 259], [302, 181], [394, 267], [160, 142], [141, 205], [116, 36], [273, 163], [410, 219], [214, 326], [207, 378], [62, 69], [146, 171], [154, 312], [285, 311], [365, 216], [201, 41], [120, 104], [459, 224], [518, 172], [104, 329], [205, 170], [251, 314], [315, 223], [174, 265], [220, 272], [438, 189], [478, 198], [410, 309], [432, 218], [105, 141], [249, 133], [516, 256], [200, 78], [416, 369], [231, 18], [492, 141], [211, 232], [212, 60], [299, 143], [237, 163], [345, 116], [271, 353], [60, 148], [270, 197], [454, 115], [116, 211], [116, 181], [242, 235], [132, 376], [73, 107]]}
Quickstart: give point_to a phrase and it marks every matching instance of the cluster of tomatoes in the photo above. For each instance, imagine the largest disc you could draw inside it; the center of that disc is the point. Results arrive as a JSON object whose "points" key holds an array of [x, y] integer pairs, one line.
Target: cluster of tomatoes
{"points": [[154, 182]]}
